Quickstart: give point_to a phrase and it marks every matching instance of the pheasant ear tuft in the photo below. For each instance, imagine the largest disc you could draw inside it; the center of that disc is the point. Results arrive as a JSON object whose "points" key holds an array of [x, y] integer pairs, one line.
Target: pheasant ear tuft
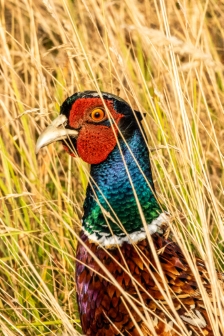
{"points": [[140, 115]]}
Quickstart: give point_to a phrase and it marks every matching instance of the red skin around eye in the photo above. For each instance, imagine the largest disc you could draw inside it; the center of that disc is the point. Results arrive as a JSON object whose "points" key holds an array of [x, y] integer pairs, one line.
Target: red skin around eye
{"points": [[95, 142]]}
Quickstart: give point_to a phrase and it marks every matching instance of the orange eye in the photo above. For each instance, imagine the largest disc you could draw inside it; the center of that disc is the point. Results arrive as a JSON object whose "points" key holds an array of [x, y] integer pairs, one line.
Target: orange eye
{"points": [[97, 114]]}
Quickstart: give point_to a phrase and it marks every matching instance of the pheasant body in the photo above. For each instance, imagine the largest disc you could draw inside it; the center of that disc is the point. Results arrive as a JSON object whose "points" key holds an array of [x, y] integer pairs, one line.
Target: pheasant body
{"points": [[103, 307], [120, 213]]}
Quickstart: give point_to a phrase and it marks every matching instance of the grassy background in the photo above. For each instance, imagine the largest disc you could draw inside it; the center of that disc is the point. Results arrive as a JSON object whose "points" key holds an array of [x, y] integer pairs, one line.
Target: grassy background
{"points": [[164, 57]]}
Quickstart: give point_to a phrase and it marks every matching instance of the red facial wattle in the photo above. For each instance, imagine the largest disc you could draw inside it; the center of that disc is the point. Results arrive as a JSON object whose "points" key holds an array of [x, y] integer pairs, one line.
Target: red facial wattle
{"points": [[95, 141]]}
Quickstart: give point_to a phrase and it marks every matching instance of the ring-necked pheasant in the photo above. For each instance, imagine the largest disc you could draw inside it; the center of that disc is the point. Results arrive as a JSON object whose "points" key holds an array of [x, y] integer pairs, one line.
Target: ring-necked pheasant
{"points": [[120, 198]]}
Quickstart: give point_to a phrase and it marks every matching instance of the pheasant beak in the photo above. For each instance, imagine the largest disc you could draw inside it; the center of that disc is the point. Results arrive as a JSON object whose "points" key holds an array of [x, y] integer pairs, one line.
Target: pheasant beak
{"points": [[54, 132]]}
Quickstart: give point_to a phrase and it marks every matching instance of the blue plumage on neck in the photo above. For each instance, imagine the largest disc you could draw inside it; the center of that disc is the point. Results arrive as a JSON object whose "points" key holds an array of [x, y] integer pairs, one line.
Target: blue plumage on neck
{"points": [[110, 198]]}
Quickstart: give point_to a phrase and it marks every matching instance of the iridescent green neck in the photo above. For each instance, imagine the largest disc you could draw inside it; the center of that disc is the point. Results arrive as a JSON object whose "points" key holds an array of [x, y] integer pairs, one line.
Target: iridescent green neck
{"points": [[110, 199]]}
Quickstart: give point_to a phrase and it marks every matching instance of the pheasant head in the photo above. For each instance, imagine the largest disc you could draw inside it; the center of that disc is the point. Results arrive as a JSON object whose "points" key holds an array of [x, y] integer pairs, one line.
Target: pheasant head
{"points": [[92, 124], [106, 133]]}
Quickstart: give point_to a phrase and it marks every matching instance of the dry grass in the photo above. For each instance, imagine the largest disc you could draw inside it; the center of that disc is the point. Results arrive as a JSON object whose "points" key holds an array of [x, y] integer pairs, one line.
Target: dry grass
{"points": [[164, 57]]}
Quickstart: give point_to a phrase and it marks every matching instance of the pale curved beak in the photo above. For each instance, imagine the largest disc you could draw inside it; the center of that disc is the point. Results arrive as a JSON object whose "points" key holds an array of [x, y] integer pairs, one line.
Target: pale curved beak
{"points": [[54, 132]]}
